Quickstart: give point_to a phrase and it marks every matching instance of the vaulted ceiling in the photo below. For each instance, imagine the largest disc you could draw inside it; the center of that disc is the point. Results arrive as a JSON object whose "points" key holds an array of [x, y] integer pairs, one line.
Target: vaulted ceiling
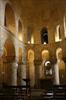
{"points": [[37, 12]]}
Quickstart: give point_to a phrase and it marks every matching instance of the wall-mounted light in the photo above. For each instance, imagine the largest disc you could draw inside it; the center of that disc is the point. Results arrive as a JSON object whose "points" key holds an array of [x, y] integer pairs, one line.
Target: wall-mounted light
{"points": [[28, 42], [32, 40], [45, 43]]}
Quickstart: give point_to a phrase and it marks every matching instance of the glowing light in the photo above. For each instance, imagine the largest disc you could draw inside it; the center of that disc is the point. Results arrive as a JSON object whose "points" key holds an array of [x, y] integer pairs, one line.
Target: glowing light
{"points": [[45, 54], [20, 36], [28, 42], [64, 26], [45, 43], [57, 35], [32, 40]]}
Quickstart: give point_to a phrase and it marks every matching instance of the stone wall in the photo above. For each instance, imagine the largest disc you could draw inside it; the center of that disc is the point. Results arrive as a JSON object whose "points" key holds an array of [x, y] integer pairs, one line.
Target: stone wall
{"points": [[38, 48]]}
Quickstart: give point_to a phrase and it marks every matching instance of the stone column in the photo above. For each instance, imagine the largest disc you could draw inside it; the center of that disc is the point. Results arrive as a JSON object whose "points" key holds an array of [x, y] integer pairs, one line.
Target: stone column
{"points": [[42, 70], [23, 74], [14, 73], [37, 73], [2, 15], [1, 59], [19, 73], [61, 32], [56, 69], [15, 63], [23, 67], [60, 65], [2, 12], [32, 73], [1, 69]]}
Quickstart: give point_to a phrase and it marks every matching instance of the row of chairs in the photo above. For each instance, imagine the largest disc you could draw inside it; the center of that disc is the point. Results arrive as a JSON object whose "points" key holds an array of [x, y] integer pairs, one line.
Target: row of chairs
{"points": [[57, 92], [15, 93]]}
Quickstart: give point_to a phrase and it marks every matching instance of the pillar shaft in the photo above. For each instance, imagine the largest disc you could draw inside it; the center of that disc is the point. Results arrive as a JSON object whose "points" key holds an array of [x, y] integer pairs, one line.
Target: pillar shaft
{"points": [[21, 74], [2, 12], [32, 73], [23, 67], [14, 73]]}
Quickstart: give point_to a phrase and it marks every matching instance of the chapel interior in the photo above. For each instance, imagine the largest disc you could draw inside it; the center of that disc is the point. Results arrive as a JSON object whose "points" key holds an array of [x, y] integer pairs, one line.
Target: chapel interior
{"points": [[33, 44]]}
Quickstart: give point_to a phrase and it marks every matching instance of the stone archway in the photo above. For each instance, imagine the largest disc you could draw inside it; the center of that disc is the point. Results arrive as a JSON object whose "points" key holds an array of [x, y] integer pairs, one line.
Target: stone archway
{"points": [[10, 18], [9, 46], [30, 55], [8, 59], [45, 56], [31, 67]]}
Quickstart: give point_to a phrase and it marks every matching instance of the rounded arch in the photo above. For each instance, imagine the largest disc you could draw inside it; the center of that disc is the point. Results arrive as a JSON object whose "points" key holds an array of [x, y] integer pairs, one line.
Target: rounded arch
{"points": [[58, 33], [31, 68], [31, 55], [8, 59], [44, 35], [10, 18], [20, 54], [10, 49], [64, 26], [45, 54], [20, 30], [59, 53], [4, 52], [59, 57]]}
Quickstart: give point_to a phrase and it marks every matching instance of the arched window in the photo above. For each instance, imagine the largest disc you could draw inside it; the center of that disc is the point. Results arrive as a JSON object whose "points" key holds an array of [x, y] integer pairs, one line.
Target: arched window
{"points": [[64, 27], [8, 58], [45, 54], [29, 34], [30, 55], [58, 34], [20, 31], [44, 35], [10, 18]]}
